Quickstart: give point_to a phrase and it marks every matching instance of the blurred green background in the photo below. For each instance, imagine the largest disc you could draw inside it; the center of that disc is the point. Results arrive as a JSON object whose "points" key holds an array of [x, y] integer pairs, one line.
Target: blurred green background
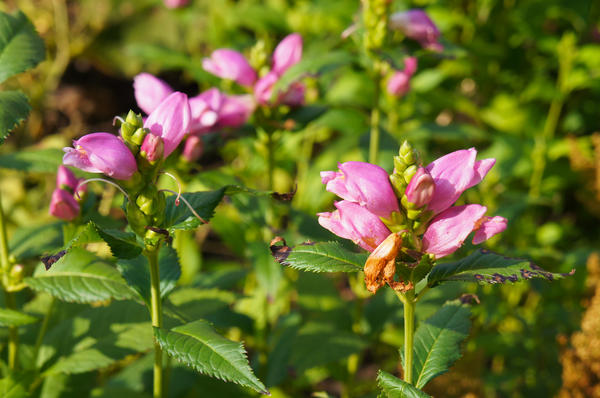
{"points": [[518, 80]]}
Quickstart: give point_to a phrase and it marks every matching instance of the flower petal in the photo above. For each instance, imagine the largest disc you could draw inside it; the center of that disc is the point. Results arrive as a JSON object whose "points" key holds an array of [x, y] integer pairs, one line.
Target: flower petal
{"points": [[488, 228], [230, 64], [287, 53], [170, 120], [447, 232], [150, 91]]}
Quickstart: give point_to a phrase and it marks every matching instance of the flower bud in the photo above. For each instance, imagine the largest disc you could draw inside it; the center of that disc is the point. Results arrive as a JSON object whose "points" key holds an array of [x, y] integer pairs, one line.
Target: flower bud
{"points": [[63, 205], [287, 53], [420, 188], [170, 120], [193, 149], [409, 173], [138, 136], [134, 119], [136, 219], [146, 200], [65, 179], [417, 25], [127, 131], [16, 273], [152, 148]]}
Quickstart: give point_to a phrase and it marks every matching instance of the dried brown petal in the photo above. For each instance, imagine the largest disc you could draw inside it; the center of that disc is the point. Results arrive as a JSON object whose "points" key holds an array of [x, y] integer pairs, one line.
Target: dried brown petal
{"points": [[381, 264]]}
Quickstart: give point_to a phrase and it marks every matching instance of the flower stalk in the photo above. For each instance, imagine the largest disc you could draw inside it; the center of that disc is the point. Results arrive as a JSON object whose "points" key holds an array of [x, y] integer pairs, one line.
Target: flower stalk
{"points": [[151, 253], [13, 335], [409, 331]]}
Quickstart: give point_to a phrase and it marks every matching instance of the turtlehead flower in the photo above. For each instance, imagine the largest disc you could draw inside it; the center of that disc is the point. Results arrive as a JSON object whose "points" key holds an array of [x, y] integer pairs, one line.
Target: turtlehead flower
{"points": [[176, 3], [101, 153], [193, 148], [366, 184], [150, 91], [63, 205], [417, 25], [152, 148], [354, 222], [230, 64], [170, 121], [399, 82], [453, 174], [421, 188], [287, 53]]}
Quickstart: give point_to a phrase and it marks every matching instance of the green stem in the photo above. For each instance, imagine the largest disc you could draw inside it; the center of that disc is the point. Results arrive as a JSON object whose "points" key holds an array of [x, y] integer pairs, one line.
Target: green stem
{"points": [[409, 330], [9, 298], [541, 147], [43, 330], [375, 118], [156, 314], [270, 159]]}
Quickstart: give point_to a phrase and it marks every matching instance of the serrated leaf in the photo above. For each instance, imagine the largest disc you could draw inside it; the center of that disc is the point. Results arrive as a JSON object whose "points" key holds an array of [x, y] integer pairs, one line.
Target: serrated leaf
{"points": [[14, 108], [199, 346], [15, 318], [122, 244], [485, 266], [437, 341], [394, 387], [33, 160], [203, 203], [137, 274], [319, 257], [20, 46], [82, 277]]}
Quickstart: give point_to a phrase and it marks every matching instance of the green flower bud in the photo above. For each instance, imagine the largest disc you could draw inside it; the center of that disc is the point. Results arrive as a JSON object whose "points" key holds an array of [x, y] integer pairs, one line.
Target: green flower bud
{"points": [[16, 273], [398, 184], [138, 136], [409, 173], [136, 219], [134, 119], [147, 201], [413, 214], [127, 131], [399, 165], [161, 204]]}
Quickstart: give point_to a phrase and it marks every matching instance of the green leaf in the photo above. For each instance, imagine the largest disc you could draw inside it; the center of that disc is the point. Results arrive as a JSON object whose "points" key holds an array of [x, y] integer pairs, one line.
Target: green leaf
{"points": [[14, 108], [437, 341], [485, 266], [394, 387], [33, 241], [136, 272], [122, 244], [203, 203], [199, 346], [82, 277], [16, 385], [20, 46], [15, 318], [33, 160], [319, 257]]}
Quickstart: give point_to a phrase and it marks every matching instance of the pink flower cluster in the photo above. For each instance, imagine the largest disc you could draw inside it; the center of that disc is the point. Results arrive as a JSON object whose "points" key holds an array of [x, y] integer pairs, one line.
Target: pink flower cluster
{"points": [[399, 83], [368, 197], [64, 203], [230, 64]]}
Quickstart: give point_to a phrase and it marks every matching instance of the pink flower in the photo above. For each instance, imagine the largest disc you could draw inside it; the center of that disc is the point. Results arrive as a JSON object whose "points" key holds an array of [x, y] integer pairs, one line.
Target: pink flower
{"points": [[417, 25], [66, 179], [150, 91], [448, 230], [235, 110], [453, 174], [421, 188], [101, 153], [63, 205], [152, 148], [193, 148], [205, 109], [399, 83], [264, 87], [354, 222], [287, 53], [366, 184], [176, 3], [170, 121], [230, 64]]}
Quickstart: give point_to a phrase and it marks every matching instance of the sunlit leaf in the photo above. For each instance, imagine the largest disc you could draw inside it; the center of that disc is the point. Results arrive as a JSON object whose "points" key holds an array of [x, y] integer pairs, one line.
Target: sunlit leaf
{"points": [[15, 318], [33, 160], [14, 108], [20, 46], [199, 346], [394, 387], [319, 257], [492, 268], [203, 203]]}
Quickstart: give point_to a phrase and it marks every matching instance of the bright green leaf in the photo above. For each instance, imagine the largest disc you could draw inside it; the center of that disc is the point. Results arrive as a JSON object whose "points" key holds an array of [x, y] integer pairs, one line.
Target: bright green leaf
{"points": [[199, 346], [14, 108], [485, 266], [33, 160], [320, 257], [82, 277], [20, 46], [15, 318], [33, 241], [394, 387]]}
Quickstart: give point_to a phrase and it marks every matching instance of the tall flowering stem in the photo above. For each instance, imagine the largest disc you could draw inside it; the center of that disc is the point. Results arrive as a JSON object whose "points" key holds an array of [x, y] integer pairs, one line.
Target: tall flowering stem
{"points": [[13, 336], [151, 254], [409, 302], [375, 18]]}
